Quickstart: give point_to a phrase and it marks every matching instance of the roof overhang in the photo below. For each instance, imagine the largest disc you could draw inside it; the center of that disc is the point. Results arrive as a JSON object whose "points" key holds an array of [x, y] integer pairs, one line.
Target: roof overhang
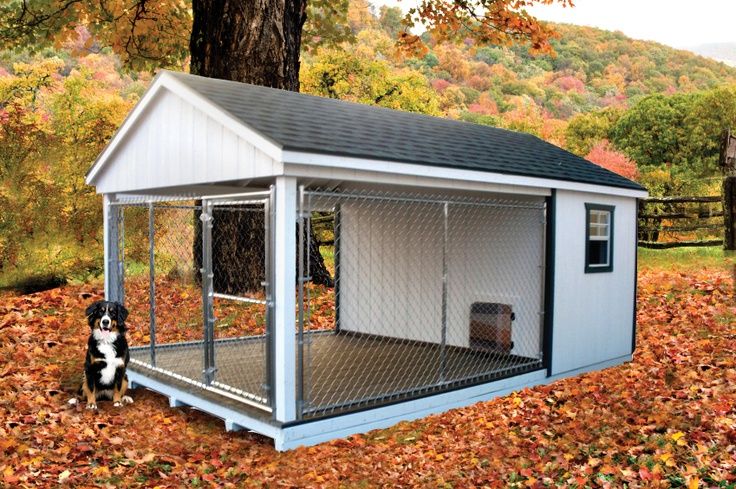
{"points": [[345, 168]]}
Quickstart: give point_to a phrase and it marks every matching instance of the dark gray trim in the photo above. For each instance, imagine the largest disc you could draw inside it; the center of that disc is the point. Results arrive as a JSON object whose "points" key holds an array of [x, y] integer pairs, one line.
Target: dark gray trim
{"points": [[549, 281], [599, 207], [411, 395], [636, 281]]}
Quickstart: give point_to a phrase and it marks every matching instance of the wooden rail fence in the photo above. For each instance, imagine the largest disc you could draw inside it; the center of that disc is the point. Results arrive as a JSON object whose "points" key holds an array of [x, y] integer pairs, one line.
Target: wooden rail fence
{"points": [[664, 222], [671, 222]]}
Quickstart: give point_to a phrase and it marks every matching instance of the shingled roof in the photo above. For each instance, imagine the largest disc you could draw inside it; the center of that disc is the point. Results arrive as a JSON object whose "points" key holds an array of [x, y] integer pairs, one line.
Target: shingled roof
{"points": [[305, 123]]}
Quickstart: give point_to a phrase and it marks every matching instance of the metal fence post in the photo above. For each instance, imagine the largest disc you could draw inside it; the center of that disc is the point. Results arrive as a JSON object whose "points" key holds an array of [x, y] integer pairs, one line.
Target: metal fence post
{"points": [[268, 290], [152, 283], [110, 243], [300, 333], [121, 257], [114, 288], [443, 344], [208, 293]]}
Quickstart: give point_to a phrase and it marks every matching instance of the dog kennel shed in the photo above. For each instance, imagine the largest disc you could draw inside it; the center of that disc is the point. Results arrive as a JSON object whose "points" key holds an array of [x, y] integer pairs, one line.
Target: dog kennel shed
{"points": [[464, 261]]}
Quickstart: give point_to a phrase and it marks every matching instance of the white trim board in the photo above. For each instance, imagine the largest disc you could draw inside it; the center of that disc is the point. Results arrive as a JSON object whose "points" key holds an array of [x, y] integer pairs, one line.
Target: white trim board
{"points": [[321, 430], [294, 162]]}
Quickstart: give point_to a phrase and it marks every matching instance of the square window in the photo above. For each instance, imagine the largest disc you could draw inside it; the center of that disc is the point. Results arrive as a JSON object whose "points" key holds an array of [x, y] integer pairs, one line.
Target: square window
{"points": [[598, 238]]}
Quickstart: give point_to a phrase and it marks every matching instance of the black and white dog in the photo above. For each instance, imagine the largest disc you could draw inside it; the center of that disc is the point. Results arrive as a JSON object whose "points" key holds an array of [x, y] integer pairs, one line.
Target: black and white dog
{"points": [[107, 355]]}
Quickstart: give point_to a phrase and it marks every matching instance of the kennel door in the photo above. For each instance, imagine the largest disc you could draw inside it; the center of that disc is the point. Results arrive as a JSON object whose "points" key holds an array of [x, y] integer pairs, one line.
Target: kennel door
{"points": [[237, 283]]}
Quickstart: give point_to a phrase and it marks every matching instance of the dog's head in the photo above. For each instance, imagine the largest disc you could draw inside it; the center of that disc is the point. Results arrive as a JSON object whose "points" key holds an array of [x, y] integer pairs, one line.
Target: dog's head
{"points": [[107, 316]]}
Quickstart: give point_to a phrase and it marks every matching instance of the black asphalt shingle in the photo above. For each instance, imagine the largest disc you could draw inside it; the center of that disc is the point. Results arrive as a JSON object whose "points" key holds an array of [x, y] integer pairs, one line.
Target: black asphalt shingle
{"points": [[300, 122]]}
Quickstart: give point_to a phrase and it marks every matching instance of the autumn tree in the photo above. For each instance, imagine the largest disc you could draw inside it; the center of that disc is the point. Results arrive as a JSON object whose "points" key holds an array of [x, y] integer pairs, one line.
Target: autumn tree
{"points": [[347, 76], [253, 42], [55, 117], [602, 154], [588, 130]]}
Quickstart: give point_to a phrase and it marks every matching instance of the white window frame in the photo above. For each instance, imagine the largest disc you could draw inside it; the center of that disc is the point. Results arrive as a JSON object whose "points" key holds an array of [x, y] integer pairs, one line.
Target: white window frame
{"points": [[596, 230]]}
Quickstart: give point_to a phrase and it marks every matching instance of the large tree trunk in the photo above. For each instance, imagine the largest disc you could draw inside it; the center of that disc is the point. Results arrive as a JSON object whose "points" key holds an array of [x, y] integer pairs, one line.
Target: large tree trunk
{"points": [[254, 42]]}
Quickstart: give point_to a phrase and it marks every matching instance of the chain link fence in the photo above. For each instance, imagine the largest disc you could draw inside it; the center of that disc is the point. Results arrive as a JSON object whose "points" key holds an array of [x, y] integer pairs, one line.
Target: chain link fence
{"points": [[194, 276], [431, 293], [418, 294]]}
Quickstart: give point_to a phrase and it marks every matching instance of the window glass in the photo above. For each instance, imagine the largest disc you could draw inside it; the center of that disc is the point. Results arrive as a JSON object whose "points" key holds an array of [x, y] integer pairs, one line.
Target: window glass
{"points": [[599, 238]]}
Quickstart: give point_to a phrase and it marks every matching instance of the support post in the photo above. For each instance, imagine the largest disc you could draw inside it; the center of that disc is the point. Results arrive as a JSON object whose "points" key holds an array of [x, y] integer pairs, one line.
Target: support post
{"points": [[729, 212], [284, 300], [443, 343], [728, 165], [107, 242], [151, 283], [208, 293]]}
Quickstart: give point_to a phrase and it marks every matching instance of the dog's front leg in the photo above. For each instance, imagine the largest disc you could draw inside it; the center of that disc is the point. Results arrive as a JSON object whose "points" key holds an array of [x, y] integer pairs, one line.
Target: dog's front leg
{"points": [[88, 389], [121, 385]]}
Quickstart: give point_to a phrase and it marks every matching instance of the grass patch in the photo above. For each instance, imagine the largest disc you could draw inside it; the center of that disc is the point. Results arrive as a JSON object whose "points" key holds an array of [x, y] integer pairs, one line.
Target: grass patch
{"points": [[687, 258], [328, 255]]}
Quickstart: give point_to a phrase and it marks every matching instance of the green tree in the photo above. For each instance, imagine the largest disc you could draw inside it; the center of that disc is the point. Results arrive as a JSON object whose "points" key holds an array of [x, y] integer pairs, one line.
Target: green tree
{"points": [[343, 75], [653, 132], [585, 131], [680, 133]]}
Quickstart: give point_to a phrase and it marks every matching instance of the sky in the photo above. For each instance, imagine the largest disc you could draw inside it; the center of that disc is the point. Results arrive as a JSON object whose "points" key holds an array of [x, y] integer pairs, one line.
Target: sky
{"points": [[677, 23]]}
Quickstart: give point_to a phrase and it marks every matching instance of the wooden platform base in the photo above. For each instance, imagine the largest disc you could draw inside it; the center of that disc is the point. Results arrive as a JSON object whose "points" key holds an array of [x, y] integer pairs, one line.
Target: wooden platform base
{"points": [[343, 371]]}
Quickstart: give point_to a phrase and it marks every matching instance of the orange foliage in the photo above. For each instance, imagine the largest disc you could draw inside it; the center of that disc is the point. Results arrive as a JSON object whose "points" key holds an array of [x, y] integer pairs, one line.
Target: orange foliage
{"points": [[602, 154], [485, 105], [497, 22], [571, 83], [667, 416]]}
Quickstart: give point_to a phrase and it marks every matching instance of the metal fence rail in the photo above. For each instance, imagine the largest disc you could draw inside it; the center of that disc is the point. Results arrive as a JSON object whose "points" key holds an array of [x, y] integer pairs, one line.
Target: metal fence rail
{"points": [[431, 293], [195, 277]]}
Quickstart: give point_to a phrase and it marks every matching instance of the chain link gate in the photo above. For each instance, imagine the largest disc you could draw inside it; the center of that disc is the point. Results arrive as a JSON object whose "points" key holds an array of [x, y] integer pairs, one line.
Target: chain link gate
{"points": [[195, 276], [431, 293]]}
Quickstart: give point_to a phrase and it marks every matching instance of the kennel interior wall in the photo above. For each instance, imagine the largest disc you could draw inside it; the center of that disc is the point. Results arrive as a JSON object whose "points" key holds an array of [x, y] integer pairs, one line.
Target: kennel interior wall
{"points": [[493, 255]]}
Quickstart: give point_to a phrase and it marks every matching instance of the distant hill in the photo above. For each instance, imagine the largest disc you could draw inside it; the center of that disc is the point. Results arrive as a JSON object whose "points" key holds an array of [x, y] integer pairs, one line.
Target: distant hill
{"points": [[592, 69], [725, 52]]}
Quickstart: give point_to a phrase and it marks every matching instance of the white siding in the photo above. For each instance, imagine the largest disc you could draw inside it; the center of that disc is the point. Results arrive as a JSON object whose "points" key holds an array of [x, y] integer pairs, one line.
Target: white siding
{"points": [[391, 269], [495, 254], [175, 143], [593, 312]]}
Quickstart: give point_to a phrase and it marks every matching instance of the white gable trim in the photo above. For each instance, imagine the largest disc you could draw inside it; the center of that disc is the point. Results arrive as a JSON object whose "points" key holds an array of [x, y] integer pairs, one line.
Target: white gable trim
{"points": [[414, 170], [166, 81]]}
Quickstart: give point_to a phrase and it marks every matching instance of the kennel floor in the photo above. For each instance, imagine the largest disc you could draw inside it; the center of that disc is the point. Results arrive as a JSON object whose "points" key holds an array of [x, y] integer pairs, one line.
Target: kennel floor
{"points": [[343, 371]]}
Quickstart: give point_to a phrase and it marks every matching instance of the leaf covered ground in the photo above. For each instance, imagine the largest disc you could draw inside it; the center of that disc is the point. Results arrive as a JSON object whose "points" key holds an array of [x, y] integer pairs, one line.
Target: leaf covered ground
{"points": [[667, 419]]}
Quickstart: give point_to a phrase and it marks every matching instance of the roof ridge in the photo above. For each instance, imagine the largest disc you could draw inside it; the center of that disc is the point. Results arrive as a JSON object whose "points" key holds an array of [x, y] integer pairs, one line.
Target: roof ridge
{"points": [[353, 103]]}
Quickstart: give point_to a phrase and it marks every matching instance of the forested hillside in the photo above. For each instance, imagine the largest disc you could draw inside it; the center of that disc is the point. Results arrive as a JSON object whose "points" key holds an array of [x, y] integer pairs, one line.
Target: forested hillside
{"points": [[592, 69], [642, 109], [639, 108]]}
